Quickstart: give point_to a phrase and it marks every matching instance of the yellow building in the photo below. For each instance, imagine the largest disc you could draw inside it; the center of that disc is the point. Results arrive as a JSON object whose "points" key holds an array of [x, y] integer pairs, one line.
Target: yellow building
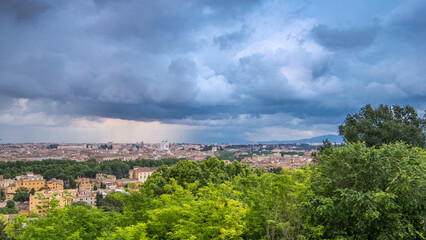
{"points": [[31, 181], [10, 192], [85, 184], [55, 184], [42, 200], [30, 184], [89, 198]]}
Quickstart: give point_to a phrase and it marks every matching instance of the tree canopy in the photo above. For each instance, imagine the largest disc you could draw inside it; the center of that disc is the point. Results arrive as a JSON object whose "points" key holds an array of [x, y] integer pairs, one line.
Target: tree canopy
{"points": [[384, 125], [369, 193]]}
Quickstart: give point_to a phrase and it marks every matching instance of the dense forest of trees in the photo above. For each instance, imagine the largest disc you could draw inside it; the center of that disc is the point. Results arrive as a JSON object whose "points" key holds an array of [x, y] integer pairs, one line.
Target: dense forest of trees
{"points": [[354, 191]]}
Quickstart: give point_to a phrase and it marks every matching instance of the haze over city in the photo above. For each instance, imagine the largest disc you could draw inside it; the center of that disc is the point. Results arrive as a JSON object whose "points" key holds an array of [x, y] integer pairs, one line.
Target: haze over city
{"points": [[203, 71]]}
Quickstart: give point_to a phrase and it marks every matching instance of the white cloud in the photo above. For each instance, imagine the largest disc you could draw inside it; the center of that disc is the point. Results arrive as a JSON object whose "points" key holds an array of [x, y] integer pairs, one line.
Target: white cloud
{"points": [[283, 134], [214, 90]]}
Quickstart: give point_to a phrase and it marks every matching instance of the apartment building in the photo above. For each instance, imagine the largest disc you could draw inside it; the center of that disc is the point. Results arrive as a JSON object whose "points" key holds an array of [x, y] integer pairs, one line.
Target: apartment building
{"points": [[55, 184], [85, 184], [141, 173], [31, 181], [89, 198], [42, 200]]}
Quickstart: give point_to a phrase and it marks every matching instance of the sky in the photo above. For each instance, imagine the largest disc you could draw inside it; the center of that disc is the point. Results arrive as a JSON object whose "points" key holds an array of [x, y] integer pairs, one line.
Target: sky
{"points": [[203, 71]]}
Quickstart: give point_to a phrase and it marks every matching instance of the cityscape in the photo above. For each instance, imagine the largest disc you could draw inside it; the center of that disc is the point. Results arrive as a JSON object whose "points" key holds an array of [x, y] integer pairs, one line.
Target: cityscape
{"points": [[257, 155], [212, 119]]}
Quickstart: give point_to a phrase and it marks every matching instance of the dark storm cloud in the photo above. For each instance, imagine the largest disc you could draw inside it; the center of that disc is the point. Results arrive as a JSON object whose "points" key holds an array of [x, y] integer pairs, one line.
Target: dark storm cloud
{"points": [[345, 38], [23, 10], [205, 62], [409, 17], [164, 25], [229, 39]]}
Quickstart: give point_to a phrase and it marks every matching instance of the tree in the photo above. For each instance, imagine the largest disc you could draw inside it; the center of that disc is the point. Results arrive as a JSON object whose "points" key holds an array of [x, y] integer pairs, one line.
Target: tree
{"points": [[99, 197], [109, 203], [82, 204], [369, 193], [137, 231], [70, 222], [21, 195], [2, 195], [211, 213], [10, 204], [275, 202], [72, 184], [9, 209], [3, 234], [384, 125]]}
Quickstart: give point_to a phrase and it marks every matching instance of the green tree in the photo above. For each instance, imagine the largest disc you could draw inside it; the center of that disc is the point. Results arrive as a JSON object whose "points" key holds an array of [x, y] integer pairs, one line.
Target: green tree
{"points": [[21, 195], [3, 234], [208, 171], [98, 199], [383, 125], [369, 193], [2, 195], [72, 184], [212, 213], [133, 232], [10, 208], [10, 204], [110, 203], [275, 202], [70, 222]]}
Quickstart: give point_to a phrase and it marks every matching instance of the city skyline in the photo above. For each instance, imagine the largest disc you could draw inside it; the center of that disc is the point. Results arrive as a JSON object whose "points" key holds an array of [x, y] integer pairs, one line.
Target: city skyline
{"points": [[203, 71]]}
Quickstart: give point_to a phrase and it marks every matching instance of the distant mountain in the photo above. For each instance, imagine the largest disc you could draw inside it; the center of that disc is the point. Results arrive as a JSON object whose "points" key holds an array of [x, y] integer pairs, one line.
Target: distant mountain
{"points": [[332, 138]]}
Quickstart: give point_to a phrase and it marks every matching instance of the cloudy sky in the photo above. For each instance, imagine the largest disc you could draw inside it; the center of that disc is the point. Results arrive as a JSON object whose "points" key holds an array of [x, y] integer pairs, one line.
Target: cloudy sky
{"points": [[203, 70]]}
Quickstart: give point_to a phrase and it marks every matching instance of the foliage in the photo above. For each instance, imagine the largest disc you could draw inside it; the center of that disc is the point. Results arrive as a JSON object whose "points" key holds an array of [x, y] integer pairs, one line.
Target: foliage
{"points": [[10, 204], [52, 146], [133, 232], [276, 170], [2, 195], [212, 170], [275, 203], [82, 204], [70, 222], [384, 125], [225, 155], [110, 203], [206, 148], [22, 194], [368, 193], [3, 234], [99, 197], [10, 208], [209, 214]]}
